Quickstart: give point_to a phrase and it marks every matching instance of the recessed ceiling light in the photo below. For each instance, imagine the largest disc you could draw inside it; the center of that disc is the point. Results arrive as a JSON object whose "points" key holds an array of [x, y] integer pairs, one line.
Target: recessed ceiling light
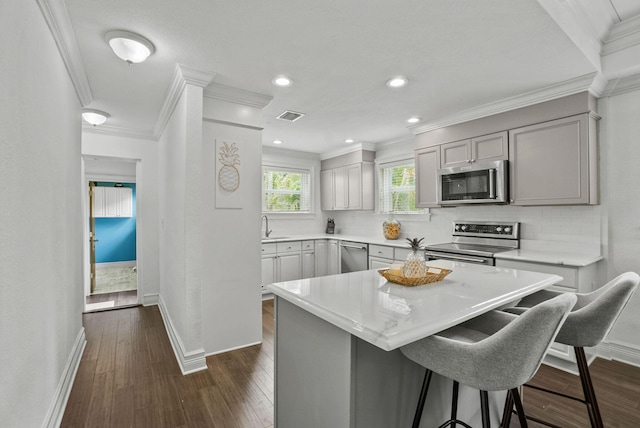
{"points": [[94, 117], [282, 81], [397, 82], [414, 119], [349, 140], [128, 46], [277, 141]]}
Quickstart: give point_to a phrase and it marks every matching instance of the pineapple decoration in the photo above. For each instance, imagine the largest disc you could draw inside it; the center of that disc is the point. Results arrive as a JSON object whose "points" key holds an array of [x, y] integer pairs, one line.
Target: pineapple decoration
{"points": [[415, 266], [228, 176]]}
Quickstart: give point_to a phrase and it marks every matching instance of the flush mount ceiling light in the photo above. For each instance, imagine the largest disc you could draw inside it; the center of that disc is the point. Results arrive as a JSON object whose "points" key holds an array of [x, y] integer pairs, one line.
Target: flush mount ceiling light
{"points": [[349, 140], [414, 119], [94, 117], [277, 141], [397, 82], [128, 46], [282, 81]]}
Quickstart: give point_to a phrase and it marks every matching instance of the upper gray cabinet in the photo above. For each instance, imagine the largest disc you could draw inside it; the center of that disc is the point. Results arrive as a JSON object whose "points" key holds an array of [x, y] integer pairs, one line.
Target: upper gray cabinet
{"points": [[427, 162], [347, 182], [555, 162], [486, 148]]}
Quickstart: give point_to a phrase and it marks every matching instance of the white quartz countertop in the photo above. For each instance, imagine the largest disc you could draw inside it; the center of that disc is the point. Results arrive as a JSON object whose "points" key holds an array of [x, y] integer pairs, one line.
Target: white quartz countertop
{"points": [[390, 315], [557, 253], [400, 242]]}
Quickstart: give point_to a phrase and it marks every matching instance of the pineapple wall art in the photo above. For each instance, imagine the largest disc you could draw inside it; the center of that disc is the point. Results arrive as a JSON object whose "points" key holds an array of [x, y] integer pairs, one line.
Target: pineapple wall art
{"points": [[228, 172]]}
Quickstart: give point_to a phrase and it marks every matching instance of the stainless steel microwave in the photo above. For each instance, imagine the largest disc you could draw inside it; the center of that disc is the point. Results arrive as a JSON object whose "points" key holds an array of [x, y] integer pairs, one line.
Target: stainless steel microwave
{"points": [[477, 183]]}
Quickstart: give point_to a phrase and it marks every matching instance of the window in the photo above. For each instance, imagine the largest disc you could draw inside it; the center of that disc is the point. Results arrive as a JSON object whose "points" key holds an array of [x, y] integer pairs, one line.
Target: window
{"points": [[397, 187], [286, 190]]}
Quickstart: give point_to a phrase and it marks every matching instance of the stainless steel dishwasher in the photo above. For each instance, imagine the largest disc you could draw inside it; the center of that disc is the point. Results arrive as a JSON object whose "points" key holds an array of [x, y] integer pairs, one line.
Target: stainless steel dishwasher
{"points": [[354, 256]]}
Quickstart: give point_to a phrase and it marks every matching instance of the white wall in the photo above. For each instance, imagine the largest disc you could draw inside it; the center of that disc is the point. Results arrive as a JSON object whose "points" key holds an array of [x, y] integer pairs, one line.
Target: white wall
{"points": [[146, 152], [173, 239], [231, 296], [40, 220], [294, 224], [620, 181]]}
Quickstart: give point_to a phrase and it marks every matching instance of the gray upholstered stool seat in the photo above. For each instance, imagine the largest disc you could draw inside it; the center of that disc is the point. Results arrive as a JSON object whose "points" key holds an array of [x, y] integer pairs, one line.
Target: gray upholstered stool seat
{"points": [[588, 324], [493, 352]]}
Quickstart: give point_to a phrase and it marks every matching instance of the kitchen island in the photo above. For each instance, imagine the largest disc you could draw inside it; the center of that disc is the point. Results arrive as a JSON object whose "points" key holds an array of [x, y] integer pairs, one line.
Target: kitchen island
{"points": [[337, 362]]}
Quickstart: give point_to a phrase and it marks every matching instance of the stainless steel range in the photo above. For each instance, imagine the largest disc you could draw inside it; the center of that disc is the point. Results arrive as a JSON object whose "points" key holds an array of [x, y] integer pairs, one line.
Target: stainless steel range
{"points": [[477, 242]]}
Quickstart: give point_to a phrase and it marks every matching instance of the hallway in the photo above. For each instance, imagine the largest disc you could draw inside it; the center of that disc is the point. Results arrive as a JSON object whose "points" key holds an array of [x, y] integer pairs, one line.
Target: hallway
{"points": [[128, 377]]}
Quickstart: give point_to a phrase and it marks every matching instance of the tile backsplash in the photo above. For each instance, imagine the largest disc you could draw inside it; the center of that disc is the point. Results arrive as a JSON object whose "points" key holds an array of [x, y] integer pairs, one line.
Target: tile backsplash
{"points": [[574, 224]]}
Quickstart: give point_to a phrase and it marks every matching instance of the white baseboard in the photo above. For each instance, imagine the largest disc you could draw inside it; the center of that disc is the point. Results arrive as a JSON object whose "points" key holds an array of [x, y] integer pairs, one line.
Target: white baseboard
{"points": [[128, 263], [59, 403], [189, 362], [620, 351], [150, 299], [232, 349]]}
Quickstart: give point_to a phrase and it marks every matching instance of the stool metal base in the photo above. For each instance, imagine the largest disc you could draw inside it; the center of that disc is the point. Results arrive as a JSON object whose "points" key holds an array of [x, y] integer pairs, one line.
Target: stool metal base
{"points": [[513, 396], [587, 387]]}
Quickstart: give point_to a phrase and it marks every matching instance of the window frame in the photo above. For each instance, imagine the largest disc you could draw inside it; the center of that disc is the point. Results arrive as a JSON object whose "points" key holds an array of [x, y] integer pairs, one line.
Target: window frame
{"points": [[280, 167], [385, 186]]}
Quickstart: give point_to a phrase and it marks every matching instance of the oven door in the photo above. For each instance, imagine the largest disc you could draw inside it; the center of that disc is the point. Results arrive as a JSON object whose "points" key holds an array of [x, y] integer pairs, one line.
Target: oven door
{"points": [[463, 258], [477, 183]]}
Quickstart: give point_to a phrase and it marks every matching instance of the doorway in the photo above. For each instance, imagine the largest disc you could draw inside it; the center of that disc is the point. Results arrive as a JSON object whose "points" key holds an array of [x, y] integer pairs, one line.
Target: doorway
{"points": [[111, 230]]}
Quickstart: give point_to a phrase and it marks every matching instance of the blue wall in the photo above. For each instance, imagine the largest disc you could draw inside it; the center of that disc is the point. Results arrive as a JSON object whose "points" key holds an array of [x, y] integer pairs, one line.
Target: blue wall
{"points": [[116, 236]]}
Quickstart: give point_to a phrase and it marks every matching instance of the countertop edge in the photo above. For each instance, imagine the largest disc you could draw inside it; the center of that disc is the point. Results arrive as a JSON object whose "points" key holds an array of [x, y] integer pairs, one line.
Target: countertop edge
{"points": [[550, 258], [396, 341]]}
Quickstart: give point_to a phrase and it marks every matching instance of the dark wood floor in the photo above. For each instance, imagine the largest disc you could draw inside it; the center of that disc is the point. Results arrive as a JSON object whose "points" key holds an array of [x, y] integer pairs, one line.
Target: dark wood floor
{"points": [[128, 377]]}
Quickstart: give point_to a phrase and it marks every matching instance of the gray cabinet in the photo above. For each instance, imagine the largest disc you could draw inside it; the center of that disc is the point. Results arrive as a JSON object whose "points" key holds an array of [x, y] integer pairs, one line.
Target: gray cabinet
{"points": [[281, 261], [382, 256], [308, 259], [555, 162], [427, 162], [348, 187], [347, 182], [479, 149], [321, 257], [333, 257], [326, 190]]}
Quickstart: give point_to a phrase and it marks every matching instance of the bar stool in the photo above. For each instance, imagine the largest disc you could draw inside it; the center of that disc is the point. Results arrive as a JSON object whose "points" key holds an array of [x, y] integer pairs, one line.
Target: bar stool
{"points": [[496, 351], [588, 324]]}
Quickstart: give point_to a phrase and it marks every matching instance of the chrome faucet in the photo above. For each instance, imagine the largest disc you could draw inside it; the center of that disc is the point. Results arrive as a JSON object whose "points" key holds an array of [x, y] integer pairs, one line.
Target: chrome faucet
{"points": [[267, 232]]}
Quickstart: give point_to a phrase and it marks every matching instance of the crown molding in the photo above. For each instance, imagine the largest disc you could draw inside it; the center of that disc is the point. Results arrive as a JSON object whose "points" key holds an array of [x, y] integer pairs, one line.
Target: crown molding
{"points": [[349, 149], [563, 89], [57, 18], [622, 86], [236, 95], [107, 129], [182, 77], [573, 20], [623, 35]]}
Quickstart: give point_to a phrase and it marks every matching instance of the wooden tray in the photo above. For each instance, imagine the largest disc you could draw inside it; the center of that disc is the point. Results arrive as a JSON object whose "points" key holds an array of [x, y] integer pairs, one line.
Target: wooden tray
{"points": [[412, 282]]}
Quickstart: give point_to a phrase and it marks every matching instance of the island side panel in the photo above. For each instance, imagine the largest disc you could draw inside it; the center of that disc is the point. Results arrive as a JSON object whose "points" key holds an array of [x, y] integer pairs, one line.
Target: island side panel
{"points": [[313, 370], [387, 386]]}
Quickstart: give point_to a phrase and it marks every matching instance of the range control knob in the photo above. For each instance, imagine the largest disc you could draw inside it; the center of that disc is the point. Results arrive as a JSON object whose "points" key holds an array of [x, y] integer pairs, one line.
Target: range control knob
{"points": [[498, 229], [507, 229], [457, 227], [463, 227]]}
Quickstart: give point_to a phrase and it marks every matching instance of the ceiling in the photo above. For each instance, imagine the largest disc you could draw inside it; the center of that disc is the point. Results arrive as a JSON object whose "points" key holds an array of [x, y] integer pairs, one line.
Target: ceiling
{"points": [[457, 55]]}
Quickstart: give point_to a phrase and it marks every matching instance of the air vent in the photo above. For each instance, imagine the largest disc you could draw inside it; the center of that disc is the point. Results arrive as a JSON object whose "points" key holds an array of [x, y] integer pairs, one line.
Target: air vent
{"points": [[290, 116]]}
